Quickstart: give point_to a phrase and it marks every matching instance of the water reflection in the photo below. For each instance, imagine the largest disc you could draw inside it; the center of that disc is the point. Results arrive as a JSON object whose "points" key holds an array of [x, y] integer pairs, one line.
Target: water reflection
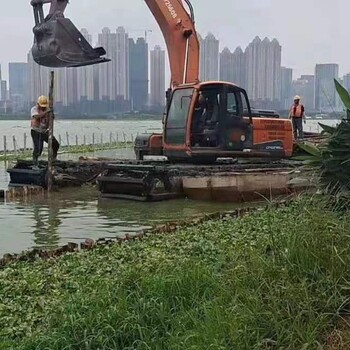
{"points": [[158, 212], [46, 224], [72, 216]]}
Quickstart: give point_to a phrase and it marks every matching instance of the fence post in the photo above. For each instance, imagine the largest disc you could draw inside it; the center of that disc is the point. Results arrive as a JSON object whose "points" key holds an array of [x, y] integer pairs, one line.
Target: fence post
{"points": [[117, 137], [67, 136], [5, 147], [93, 139], [14, 144], [110, 139], [60, 139], [25, 142], [84, 140], [51, 126], [76, 140]]}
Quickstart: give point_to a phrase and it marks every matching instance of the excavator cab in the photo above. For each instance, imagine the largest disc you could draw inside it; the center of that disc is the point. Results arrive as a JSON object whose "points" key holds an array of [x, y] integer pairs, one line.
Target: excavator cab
{"points": [[206, 120], [57, 42], [210, 120]]}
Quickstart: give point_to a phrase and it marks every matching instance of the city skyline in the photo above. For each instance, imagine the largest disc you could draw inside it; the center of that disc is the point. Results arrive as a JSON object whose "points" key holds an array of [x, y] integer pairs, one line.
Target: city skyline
{"points": [[94, 39], [127, 79], [318, 38]]}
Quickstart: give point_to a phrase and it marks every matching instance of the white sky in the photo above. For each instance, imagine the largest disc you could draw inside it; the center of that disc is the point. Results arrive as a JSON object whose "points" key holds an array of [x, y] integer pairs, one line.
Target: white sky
{"points": [[310, 31]]}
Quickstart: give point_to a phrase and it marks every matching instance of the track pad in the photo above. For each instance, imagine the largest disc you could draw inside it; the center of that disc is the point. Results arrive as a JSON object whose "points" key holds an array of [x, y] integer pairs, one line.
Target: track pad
{"points": [[58, 43]]}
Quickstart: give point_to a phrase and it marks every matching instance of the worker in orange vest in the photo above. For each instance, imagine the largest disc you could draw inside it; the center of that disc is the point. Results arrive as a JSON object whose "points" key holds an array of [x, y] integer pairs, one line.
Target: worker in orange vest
{"points": [[297, 114]]}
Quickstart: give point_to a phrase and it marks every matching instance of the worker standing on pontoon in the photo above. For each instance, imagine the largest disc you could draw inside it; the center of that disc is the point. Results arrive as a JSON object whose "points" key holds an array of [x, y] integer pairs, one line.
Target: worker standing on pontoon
{"points": [[297, 114], [40, 129]]}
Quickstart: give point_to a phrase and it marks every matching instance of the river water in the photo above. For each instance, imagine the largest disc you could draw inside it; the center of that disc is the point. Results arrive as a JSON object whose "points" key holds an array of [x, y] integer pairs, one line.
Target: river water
{"points": [[70, 131], [72, 216], [75, 215]]}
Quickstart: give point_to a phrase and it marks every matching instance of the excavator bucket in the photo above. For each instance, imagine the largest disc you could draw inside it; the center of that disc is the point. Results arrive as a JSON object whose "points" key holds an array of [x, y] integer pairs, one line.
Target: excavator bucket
{"points": [[58, 43]]}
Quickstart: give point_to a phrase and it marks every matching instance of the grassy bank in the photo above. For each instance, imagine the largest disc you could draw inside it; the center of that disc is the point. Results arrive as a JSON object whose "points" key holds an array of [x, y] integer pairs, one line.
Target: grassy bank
{"points": [[68, 149], [277, 279]]}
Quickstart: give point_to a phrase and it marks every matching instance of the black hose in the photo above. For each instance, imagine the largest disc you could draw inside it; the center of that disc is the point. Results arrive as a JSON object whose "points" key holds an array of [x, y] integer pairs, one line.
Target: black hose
{"points": [[188, 2]]}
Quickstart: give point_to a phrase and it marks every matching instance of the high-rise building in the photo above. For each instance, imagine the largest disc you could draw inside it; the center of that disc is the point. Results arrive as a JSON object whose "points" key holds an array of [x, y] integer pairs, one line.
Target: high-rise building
{"points": [[122, 63], [305, 88], [138, 71], [209, 58], [38, 77], [346, 81], [107, 71], [239, 69], [66, 86], [263, 64], [326, 99], [286, 87], [232, 66], [275, 55], [3, 90], [158, 77], [65, 89], [114, 75], [85, 76], [226, 65], [18, 80]]}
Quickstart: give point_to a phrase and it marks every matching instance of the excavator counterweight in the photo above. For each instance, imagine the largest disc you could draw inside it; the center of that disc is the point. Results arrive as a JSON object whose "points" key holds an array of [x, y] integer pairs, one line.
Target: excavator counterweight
{"points": [[57, 42]]}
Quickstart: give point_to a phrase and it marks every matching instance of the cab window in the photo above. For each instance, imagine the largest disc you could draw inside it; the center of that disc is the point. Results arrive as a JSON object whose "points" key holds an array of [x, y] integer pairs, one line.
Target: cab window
{"points": [[232, 104], [179, 108]]}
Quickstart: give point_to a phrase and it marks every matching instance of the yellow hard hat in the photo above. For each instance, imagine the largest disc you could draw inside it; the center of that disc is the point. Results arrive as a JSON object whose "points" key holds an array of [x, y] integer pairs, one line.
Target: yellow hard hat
{"points": [[43, 101], [296, 97]]}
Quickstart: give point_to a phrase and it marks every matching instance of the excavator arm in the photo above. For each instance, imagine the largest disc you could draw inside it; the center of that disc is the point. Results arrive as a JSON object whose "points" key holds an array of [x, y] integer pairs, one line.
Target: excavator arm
{"points": [[58, 43]]}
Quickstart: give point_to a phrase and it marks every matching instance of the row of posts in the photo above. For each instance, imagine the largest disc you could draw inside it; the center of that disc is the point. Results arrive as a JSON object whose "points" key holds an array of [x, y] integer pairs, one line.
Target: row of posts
{"points": [[96, 140]]}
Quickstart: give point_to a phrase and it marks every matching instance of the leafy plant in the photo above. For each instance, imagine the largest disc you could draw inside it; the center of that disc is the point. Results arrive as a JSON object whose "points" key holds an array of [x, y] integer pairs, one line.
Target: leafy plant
{"points": [[333, 156], [344, 96]]}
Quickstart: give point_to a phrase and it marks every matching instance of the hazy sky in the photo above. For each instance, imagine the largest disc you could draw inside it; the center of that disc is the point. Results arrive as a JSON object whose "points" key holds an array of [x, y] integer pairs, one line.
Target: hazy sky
{"points": [[310, 31]]}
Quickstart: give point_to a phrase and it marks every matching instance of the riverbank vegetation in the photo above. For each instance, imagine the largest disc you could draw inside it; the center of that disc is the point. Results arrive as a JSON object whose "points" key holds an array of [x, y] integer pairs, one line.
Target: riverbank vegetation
{"points": [[331, 158], [275, 279]]}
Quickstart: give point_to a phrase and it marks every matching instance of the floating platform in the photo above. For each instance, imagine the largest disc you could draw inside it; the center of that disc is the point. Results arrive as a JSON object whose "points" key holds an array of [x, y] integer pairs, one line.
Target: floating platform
{"points": [[235, 181], [228, 180]]}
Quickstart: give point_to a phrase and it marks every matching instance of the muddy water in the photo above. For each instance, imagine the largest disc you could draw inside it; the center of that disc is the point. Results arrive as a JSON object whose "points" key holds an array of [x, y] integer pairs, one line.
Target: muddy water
{"points": [[73, 215]]}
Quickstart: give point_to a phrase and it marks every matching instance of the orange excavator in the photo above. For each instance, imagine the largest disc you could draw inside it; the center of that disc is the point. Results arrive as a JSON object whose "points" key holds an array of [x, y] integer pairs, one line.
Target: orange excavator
{"points": [[203, 120]]}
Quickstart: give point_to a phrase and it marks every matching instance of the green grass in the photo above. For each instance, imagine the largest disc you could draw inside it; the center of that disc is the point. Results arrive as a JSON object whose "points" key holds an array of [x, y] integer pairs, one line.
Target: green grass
{"points": [[276, 279], [74, 149]]}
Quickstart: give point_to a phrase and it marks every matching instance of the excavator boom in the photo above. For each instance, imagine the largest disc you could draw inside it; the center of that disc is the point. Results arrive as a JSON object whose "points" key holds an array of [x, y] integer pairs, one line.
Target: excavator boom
{"points": [[178, 28], [58, 43]]}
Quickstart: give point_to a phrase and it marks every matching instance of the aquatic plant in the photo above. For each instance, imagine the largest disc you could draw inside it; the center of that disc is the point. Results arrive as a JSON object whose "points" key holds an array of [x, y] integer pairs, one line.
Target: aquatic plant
{"points": [[273, 279]]}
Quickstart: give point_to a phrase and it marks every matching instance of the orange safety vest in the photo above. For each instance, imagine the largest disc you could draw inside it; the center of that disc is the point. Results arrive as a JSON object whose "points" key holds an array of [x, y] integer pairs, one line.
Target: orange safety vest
{"points": [[297, 111]]}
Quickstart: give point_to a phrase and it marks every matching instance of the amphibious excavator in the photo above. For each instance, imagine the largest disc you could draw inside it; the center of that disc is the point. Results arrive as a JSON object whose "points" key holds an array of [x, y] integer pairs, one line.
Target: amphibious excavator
{"points": [[203, 120]]}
